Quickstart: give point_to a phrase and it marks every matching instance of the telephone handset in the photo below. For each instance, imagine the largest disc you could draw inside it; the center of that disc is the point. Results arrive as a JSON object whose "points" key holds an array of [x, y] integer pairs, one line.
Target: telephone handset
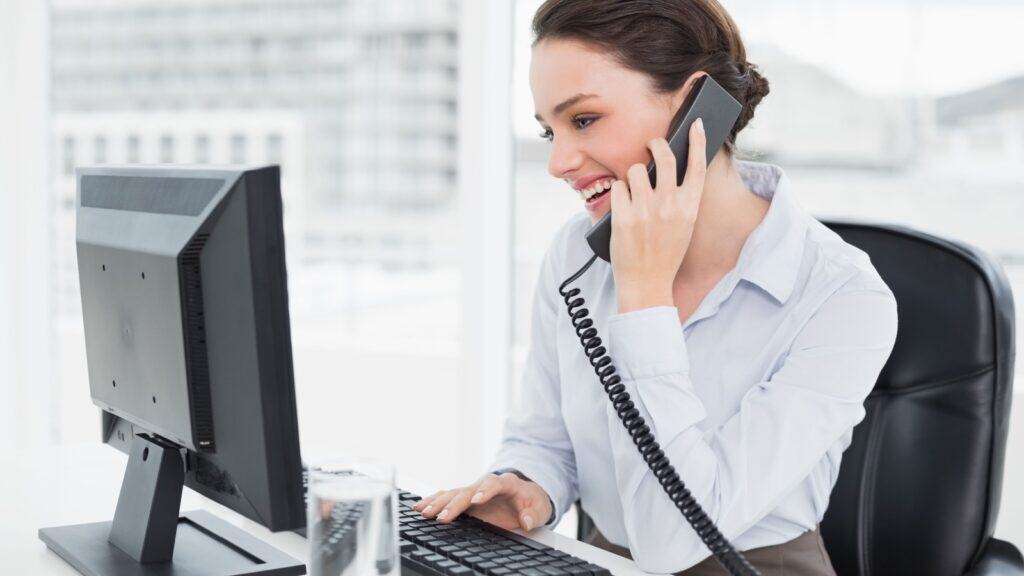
{"points": [[718, 110]]}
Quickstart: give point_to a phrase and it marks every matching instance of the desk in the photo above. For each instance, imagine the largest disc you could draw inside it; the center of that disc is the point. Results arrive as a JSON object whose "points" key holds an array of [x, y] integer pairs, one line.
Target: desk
{"points": [[76, 484]]}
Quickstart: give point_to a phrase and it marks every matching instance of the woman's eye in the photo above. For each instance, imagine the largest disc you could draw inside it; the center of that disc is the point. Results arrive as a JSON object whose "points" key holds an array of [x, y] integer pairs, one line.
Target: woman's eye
{"points": [[548, 135], [587, 119]]}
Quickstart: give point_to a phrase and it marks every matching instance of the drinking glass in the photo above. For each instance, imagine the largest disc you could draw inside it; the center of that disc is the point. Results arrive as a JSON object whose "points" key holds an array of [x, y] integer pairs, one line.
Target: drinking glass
{"points": [[352, 518]]}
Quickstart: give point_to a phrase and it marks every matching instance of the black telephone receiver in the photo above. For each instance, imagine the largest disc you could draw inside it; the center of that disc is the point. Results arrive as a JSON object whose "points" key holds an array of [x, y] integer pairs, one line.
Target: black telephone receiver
{"points": [[718, 110]]}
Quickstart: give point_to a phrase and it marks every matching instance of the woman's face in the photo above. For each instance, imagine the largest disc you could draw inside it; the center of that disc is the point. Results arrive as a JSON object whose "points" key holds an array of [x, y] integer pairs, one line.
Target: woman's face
{"points": [[598, 115]]}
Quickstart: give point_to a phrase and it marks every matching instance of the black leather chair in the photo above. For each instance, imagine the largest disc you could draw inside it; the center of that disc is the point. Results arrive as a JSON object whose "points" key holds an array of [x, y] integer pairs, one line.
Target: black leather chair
{"points": [[919, 487]]}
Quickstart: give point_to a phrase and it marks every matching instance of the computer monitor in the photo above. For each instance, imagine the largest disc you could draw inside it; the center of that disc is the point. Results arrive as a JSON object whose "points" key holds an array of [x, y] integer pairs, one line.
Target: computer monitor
{"points": [[185, 305]]}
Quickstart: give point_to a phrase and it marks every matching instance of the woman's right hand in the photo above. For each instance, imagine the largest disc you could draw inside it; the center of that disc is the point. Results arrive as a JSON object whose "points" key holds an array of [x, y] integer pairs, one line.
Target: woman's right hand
{"points": [[506, 501]]}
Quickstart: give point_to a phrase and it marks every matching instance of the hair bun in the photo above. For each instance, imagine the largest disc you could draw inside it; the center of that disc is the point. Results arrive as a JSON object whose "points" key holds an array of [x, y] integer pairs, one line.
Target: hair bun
{"points": [[755, 87]]}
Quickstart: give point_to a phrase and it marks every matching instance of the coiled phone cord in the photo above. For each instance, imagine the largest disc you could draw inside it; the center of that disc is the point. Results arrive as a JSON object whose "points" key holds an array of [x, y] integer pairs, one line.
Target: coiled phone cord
{"points": [[722, 549]]}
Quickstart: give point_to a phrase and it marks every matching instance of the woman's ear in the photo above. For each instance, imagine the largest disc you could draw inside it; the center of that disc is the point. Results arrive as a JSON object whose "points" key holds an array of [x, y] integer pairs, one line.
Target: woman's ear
{"points": [[680, 95]]}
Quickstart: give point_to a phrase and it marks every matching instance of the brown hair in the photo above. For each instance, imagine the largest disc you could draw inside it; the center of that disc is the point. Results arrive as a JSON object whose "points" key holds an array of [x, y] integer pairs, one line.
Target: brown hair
{"points": [[668, 40]]}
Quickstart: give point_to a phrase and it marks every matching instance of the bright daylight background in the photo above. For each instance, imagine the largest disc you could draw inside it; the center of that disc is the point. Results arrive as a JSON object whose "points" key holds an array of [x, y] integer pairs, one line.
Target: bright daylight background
{"points": [[417, 197]]}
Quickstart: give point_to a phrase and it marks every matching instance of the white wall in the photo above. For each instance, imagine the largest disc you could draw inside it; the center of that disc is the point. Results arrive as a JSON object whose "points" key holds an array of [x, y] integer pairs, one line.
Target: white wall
{"points": [[485, 196], [26, 374]]}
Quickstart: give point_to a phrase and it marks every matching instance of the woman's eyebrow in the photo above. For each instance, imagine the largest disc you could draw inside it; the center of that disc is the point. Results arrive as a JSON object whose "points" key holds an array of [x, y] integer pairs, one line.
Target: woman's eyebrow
{"points": [[568, 102]]}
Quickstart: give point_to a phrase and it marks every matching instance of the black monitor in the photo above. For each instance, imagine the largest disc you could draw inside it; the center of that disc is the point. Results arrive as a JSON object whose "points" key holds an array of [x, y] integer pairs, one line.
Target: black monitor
{"points": [[185, 304]]}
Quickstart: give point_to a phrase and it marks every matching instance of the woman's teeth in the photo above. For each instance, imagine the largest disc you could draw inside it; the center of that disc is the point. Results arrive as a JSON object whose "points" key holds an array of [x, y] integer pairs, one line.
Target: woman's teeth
{"points": [[595, 189]]}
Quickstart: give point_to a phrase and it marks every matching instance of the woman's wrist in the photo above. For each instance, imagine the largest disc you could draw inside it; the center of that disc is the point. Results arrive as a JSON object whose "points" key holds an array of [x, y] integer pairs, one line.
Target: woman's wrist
{"points": [[637, 298]]}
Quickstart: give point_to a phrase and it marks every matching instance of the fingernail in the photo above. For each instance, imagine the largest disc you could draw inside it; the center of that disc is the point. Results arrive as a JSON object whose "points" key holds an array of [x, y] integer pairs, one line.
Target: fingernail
{"points": [[477, 497], [428, 509], [528, 521], [700, 126], [443, 514]]}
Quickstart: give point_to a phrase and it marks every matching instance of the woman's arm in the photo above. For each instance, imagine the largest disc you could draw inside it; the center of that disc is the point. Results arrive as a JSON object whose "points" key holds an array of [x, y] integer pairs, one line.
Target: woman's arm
{"points": [[535, 441], [741, 470]]}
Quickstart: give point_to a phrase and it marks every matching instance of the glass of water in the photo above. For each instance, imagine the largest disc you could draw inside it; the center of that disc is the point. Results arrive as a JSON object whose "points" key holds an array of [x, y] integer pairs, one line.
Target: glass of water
{"points": [[352, 518]]}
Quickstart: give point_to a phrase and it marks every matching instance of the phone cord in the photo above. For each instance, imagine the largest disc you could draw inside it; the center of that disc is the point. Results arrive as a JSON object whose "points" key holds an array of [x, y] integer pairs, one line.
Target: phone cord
{"points": [[723, 551]]}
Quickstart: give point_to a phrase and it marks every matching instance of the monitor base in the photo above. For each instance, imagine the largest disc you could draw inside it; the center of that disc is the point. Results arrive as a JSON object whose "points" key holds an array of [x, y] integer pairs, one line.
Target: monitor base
{"points": [[204, 545]]}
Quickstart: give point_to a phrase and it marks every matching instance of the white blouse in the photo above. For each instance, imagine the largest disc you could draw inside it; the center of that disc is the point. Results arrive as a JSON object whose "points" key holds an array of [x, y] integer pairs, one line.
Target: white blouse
{"points": [[753, 400]]}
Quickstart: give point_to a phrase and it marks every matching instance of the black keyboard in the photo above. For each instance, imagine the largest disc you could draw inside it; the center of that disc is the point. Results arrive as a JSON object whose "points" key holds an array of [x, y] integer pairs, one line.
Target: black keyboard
{"points": [[468, 546]]}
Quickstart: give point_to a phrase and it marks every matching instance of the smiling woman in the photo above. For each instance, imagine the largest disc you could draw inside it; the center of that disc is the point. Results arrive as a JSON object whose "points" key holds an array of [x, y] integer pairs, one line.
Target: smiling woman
{"points": [[746, 333]]}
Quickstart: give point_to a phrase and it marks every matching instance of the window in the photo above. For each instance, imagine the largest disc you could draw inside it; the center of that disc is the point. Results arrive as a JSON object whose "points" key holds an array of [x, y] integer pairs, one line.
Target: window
{"points": [[201, 150], [68, 155], [99, 149], [132, 152], [167, 149], [274, 151], [238, 149]]}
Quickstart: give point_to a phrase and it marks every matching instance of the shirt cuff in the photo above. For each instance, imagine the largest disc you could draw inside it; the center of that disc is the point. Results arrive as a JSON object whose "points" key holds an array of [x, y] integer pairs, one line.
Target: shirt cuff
{"points": [[649, 352], [648, 342]]}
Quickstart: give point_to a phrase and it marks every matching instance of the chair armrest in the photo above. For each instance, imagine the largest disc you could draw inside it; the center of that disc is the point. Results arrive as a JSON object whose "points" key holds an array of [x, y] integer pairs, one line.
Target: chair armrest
{"points": [[999, 559]]}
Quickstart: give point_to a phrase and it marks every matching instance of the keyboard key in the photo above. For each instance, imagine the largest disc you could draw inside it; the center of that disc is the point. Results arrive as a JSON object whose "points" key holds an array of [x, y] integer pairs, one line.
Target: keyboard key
{"points": [[556, 553], [597, 570], [421, 553], [447, 565]]}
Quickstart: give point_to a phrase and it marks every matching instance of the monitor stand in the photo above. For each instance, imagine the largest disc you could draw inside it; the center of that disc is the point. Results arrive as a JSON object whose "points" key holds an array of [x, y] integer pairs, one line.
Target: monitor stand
{"points": [[147, 537]]}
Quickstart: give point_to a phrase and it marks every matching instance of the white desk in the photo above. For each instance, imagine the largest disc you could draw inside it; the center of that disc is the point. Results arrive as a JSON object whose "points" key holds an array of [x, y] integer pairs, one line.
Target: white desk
{"points": [[77, 484]]}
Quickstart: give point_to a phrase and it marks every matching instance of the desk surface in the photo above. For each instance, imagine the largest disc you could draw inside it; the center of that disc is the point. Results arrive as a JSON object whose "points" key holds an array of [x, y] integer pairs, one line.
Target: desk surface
{"points": [[76, 484]]}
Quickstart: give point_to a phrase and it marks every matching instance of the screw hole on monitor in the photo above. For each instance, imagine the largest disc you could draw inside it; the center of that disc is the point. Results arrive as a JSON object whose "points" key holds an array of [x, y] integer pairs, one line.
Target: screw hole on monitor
{"points": [[154, 399], [145, 454]]}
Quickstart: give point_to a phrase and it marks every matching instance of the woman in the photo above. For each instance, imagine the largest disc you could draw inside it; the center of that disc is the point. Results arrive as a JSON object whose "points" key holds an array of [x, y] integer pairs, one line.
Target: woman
{"points": [[746, 332]]}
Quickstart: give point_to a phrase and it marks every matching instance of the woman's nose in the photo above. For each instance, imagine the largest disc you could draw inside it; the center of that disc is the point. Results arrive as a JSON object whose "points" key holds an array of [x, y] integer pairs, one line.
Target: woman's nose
{"points": [[565, 158]]}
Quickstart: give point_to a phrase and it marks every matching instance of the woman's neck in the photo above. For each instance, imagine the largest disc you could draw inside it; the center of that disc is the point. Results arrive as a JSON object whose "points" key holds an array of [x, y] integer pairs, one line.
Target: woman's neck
{"points": [[729, 212]]}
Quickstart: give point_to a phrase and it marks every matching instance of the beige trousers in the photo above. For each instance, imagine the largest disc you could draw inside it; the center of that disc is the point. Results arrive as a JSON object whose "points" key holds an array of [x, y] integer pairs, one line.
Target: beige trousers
{"points": [[805, 555]]}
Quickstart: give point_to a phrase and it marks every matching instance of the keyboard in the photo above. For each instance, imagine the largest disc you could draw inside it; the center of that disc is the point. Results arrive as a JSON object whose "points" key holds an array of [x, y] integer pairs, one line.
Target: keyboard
{"points": [[469, 546], [466, 546]]}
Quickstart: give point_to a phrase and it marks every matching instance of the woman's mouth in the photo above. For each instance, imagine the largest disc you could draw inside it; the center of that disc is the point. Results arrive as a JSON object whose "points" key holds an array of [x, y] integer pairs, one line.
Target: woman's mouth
{"points": [[596, 190]]}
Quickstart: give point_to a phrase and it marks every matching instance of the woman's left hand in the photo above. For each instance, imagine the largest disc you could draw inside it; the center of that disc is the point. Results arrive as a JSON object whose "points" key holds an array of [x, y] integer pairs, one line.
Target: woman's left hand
{"points": [[651, 229]]}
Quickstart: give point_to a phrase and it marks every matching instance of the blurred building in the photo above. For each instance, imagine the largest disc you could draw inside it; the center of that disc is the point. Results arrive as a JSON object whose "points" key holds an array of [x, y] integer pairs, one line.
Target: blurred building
{"points": [[371, 85], [812, 118], [981, 130], [179, 137]]}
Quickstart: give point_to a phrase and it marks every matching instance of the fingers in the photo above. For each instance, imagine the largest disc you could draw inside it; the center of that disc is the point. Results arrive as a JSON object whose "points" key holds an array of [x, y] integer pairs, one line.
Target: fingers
{"points": [[488, 488], [696, 170], [428, 502], [639, 186], [535, 513], [447, 505], [665, 161], [457, 505], [620, 198]]}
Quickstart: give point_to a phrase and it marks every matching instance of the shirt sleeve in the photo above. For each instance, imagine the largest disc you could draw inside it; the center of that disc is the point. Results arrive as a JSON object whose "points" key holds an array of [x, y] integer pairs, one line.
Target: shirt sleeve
{"points": [[534, 438], [741, 470]]}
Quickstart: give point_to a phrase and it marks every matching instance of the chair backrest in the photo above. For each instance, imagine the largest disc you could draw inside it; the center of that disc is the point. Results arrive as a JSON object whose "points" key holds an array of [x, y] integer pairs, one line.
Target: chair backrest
{"points": [[919, 487]]}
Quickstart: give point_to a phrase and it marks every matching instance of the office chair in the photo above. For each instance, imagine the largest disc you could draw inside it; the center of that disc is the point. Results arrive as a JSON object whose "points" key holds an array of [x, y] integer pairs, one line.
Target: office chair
{"points": [[919, 486]]}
